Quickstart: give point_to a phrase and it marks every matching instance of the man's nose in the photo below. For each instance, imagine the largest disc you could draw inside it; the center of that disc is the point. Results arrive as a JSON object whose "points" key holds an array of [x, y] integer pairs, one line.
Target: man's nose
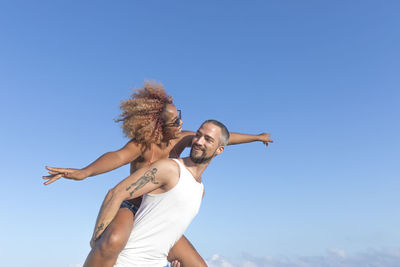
{"points": [[200, 140]]}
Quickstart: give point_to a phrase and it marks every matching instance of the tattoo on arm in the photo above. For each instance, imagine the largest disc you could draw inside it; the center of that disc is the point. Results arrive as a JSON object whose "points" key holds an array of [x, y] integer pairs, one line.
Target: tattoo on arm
{"points": [[149, 176], [99, 228]]}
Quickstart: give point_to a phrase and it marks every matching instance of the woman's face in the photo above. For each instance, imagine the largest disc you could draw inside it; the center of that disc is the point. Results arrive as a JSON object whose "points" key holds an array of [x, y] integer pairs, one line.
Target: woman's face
{"points": [[172, 122]]}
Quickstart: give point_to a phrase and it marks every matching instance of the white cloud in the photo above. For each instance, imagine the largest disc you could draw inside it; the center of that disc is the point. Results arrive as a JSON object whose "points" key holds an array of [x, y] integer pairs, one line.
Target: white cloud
{"points": [[333, 258], [335, 252], [217, 261]]}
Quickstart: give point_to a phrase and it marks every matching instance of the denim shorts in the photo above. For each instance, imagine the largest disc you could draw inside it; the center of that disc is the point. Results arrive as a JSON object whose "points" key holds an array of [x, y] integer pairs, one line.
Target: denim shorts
{"points": [[130, 206]]}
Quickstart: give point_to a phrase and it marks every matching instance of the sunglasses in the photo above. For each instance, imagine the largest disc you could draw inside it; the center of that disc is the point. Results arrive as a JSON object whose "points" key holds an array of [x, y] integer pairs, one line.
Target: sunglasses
{"points": [[177, 122]]}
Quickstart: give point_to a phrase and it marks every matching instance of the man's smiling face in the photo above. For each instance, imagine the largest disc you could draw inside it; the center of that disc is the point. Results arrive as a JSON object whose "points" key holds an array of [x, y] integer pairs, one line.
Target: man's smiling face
{"points": [[206, 143]]}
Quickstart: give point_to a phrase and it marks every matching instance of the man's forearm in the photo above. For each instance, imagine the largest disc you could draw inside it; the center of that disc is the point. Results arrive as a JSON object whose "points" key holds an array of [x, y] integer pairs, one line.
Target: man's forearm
{"points": [[137, 184], [108, 210]]}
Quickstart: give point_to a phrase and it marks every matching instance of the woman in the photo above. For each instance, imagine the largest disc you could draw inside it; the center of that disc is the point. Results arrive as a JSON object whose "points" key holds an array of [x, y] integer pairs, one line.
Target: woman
{"points": [[153, 124]]}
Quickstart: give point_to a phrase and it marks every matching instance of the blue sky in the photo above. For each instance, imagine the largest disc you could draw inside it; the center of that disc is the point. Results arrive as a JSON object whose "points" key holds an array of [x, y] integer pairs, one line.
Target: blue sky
{"points": [[320, 76]]}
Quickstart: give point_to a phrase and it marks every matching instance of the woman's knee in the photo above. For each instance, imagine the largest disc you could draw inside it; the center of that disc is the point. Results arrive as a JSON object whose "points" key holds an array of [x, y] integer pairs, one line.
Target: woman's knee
{"points": [[116, 234], [112, 243]]}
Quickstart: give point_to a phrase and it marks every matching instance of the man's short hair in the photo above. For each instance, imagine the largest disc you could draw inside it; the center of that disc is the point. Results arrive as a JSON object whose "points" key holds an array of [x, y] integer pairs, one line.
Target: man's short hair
{"points": [[223, 139]]}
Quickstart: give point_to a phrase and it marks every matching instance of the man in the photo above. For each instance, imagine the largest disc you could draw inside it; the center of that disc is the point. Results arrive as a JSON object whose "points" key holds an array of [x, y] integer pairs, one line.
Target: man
{"points": [[172, 192], [154, 127]]}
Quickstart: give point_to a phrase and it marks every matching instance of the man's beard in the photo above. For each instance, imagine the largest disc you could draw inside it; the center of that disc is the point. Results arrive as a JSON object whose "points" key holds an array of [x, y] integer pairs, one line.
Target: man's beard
{"points": [[202, 158]]}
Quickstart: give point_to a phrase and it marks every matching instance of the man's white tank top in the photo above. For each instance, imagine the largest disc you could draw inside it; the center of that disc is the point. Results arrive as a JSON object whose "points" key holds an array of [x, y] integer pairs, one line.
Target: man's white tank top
{"points": [[160, 221]]}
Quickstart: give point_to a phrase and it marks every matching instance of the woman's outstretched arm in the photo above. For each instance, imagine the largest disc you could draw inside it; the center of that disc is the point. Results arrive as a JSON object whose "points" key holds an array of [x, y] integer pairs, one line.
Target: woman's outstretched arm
{"points": [[239, 138], [105, 163], [234, 139]]}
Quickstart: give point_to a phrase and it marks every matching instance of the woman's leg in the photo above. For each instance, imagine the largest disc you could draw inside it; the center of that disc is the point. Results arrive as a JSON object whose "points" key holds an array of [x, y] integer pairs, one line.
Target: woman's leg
{"points": [[186, 254], [112, 241]]}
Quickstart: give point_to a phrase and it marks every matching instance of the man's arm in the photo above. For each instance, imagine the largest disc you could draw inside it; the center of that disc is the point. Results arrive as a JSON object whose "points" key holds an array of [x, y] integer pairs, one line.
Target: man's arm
{"points": [[162, 174], [107, 162]]}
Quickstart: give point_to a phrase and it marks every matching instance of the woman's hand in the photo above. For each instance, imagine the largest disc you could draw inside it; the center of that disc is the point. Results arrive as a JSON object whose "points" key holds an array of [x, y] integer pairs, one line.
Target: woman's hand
{"points": [[265, 138], [57, 173]]}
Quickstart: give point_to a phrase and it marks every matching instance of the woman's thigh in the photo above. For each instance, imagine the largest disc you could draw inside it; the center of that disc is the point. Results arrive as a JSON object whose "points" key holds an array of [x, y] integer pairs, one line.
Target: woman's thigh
{"points": [[112, 241], [118, 231], [186, 254]]}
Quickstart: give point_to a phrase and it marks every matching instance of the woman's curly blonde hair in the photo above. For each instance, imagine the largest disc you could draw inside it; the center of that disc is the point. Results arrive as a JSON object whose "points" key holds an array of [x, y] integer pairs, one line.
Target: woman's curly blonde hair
{"points": [[142, 114]]}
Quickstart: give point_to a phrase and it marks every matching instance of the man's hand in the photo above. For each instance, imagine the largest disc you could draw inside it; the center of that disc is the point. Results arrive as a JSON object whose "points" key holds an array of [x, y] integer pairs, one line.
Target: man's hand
{"points": [[175, 263], [264, 137], [93, 242], [57, 173]]}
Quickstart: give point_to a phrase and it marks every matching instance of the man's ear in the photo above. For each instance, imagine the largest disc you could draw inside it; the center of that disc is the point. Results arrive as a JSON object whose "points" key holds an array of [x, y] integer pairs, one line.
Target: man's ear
{"points": [[219, 150]]}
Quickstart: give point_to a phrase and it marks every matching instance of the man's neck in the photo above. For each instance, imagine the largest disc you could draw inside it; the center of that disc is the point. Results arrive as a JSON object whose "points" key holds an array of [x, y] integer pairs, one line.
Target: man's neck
{"points": [[195, 169]]}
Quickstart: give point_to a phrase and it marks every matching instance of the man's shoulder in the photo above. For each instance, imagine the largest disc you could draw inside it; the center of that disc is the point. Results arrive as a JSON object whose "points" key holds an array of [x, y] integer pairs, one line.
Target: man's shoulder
{"points": [[166, 171], [168, 167]]}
